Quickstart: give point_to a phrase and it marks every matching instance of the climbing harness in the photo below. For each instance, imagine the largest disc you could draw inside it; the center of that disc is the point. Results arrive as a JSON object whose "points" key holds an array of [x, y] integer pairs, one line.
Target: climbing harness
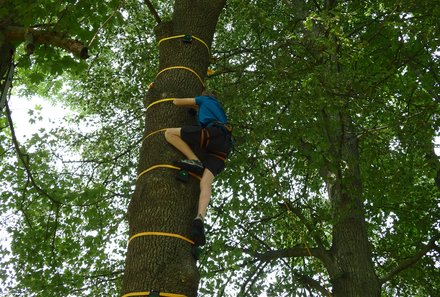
{"points": [[227, 128], [218, 155], [183, 175], [160, 234]]}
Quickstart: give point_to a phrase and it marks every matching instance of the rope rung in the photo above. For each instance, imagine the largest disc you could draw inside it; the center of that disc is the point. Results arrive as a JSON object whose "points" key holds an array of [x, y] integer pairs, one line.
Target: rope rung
{"points": [[185, 68], [148, 293], [185, 36], [165, 166], [160, 234]]}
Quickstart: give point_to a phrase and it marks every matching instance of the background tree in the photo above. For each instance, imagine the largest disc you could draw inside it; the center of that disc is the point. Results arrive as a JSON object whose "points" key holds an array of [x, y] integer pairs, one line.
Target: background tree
{"points": [[335, 114], [323, 93]]}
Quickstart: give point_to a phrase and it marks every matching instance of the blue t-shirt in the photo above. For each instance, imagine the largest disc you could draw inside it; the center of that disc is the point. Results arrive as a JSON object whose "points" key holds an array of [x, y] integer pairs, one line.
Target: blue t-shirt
{"points": [[209, 111]]}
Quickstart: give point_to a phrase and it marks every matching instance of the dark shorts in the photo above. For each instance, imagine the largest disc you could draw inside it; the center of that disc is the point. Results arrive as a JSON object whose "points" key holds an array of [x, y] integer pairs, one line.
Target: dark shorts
{"points": [[212, 145]]}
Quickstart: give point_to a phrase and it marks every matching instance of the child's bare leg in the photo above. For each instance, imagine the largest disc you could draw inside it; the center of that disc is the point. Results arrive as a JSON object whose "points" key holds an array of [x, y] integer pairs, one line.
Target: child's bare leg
{"points": [[205, 192], [172, 135]]}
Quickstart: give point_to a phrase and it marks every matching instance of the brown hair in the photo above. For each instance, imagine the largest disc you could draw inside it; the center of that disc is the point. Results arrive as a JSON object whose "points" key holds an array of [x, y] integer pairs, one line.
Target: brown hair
{"points": [[208, 92]]}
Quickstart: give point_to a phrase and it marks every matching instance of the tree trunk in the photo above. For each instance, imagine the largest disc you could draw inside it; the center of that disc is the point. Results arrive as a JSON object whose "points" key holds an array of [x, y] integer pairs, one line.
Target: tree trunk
{"points": [[350, 246], [160, 202], [6, 55]]}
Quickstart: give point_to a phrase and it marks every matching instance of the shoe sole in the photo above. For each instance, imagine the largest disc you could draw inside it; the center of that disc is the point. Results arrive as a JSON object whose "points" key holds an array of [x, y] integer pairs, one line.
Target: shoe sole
{"points": [[192, 168], [198, 234]]}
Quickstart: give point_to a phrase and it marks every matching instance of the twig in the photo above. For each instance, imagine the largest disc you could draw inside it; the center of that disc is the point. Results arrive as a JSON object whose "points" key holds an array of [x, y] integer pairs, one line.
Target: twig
{"points": [[95, 284], [153, 11], [24, 158], [411, 261], [313, 284], [292, 252], [105, 23], [252, 279]]}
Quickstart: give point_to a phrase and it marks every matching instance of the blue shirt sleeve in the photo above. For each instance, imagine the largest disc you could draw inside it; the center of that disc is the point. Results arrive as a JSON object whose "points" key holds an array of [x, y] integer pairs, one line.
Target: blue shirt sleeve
{"points": [[210, 110]]}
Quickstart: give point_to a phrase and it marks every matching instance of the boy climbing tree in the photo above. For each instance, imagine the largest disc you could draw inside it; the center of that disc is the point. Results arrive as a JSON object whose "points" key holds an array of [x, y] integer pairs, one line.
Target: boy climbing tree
{"points": [[206, 147], [160, 215]]}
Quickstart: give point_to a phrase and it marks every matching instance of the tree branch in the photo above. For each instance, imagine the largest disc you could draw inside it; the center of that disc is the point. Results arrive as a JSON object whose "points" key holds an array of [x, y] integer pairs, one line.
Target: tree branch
{"points": [[252, 279], [297, 251], [18, 34], [24, 158], [411, 261], [98, 282], [310, 228], [153, 11], [313, 284], [105, 23]]}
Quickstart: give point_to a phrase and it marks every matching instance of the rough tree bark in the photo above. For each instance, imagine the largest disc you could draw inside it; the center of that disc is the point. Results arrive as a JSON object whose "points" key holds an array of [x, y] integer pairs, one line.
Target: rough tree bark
{"points": [[160, 202], [6, 54], [350, 249]]}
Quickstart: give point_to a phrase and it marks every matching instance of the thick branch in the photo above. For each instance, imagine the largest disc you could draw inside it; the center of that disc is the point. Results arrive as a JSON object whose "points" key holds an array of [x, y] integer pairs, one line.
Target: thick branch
{"points": [[311, 229], [252, 278], [313, 284], [17, 34], [299, 252], [411, 261]]}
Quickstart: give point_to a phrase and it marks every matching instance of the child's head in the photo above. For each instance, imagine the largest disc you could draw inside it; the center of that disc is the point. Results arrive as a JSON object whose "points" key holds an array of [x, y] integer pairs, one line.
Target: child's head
{"points": [[208, 92]]}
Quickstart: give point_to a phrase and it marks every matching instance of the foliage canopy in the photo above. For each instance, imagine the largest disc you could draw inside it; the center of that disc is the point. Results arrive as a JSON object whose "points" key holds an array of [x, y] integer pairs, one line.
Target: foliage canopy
{"points": [[280, 67]]}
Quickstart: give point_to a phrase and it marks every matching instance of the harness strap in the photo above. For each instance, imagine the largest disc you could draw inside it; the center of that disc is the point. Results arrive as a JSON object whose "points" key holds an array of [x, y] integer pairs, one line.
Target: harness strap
{"points": [[207, 138], [227, 128], [218, 156]]}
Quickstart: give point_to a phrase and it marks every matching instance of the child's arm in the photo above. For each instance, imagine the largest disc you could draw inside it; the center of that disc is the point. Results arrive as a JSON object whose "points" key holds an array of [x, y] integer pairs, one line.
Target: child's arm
{"points": [[188, 102]]}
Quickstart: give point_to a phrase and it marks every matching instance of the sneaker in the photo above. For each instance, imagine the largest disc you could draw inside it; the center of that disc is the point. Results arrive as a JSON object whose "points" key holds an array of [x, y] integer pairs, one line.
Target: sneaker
{"points": [[191, 165], [198, 232]]}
